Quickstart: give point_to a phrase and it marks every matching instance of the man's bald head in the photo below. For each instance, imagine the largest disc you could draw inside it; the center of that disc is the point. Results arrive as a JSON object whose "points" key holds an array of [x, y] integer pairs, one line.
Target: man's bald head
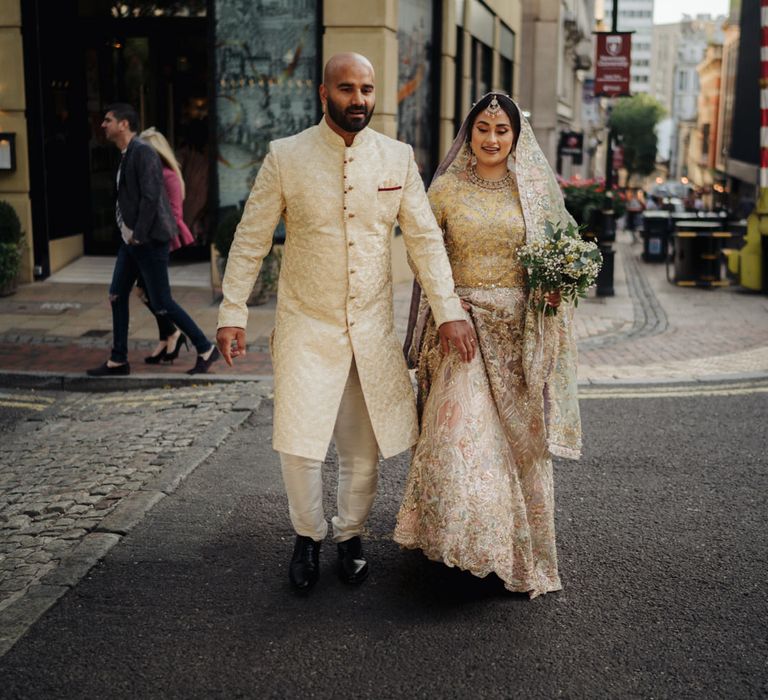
{"points": [[348, 93], [340, 65]]}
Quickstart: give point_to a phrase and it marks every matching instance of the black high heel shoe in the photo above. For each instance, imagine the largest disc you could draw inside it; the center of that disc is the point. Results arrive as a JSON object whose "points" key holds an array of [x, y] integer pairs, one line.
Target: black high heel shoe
{"points": [[171, 356], [156, 359], [202, 365]]}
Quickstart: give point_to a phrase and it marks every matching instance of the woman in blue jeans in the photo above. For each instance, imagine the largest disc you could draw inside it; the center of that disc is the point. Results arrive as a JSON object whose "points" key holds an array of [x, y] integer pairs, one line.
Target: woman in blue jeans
{"points": [[151, 260]]}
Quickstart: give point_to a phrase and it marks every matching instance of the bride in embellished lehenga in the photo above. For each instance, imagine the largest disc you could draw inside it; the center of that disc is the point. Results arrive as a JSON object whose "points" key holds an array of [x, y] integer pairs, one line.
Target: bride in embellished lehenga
{"points": [[479, 495]]}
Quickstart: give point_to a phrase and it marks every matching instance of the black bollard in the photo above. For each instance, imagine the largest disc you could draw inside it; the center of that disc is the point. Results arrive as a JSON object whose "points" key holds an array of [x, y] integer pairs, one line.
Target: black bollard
{"points": [[605, 276], [606, 234]]}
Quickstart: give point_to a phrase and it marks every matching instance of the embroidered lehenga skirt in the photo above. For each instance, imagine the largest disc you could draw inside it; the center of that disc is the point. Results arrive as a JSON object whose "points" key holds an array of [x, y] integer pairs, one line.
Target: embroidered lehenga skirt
{"points": [[479, 495]]}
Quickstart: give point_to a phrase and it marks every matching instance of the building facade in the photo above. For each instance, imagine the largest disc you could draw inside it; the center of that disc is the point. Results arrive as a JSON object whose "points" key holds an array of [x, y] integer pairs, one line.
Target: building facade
{"points": [[557, 53], [695, 35], [221, 78], [703, 150], [727, 99], [742, 143], [664, 45]]}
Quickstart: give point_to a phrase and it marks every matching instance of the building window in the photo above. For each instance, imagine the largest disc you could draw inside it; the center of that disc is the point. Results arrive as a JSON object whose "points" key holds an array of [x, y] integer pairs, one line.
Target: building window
{"points": [[507, 52], [267, 69], [482, 69], [481, 22], [417, 103], [126, 9]]}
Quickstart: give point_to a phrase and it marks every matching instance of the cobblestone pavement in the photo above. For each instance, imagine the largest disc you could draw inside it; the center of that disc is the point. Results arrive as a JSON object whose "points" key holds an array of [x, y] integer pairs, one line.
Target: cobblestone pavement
{"points": [[77, 459]]}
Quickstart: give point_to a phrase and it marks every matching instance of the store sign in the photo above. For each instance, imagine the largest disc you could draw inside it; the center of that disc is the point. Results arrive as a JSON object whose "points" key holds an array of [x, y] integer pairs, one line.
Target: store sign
{"points": [[572, 144], [618, 157], [613, 62]]}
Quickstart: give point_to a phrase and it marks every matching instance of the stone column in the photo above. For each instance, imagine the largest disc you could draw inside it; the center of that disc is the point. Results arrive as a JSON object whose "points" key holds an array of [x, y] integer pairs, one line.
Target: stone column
{"points": [[14, 187], [448, 70]]}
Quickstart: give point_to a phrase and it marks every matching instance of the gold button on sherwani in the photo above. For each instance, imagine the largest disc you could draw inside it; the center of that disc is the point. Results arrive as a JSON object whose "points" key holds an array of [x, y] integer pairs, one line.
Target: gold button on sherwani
{"points": [[303, 181]]}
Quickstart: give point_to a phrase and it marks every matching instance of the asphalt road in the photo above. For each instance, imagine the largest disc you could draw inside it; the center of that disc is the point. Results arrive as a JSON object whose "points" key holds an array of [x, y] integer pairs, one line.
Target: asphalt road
{"points": [[662, 545]]}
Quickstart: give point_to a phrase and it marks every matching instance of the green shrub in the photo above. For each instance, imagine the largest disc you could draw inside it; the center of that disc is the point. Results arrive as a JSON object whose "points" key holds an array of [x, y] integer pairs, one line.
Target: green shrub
{"points": [[10, 226], [10, 261]]}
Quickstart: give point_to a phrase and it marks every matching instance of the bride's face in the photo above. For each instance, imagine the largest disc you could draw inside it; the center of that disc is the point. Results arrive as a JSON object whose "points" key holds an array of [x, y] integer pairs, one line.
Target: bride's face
{"points": [[492, 138]]}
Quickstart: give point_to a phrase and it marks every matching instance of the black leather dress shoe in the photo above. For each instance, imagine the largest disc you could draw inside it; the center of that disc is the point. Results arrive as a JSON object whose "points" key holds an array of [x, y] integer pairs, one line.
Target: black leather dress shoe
{"points": [[304, 569], [352, 565], [105, 370]]}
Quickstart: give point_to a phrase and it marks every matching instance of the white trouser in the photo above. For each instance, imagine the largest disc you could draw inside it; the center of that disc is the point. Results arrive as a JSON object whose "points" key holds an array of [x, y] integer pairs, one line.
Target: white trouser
{"points": [[358, 473]]}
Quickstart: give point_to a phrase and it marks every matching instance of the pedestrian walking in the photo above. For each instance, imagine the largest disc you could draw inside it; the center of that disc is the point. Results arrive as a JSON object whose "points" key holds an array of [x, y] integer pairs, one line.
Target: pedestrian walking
{"points": [[146, 225], [338, 367], [634, 213], [479, 494], [171, 338]]}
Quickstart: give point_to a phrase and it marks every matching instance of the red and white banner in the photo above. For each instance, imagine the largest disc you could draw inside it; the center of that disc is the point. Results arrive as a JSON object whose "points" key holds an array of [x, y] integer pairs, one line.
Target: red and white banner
{"points": [[613, 63]]}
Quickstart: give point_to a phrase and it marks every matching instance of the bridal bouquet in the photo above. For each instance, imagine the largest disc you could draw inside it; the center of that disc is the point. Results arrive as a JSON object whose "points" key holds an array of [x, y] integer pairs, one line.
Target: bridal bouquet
{"points": [[562, 262]]}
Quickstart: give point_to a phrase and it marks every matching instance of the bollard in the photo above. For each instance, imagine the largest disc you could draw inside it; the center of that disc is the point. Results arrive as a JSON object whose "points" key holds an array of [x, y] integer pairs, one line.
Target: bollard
{"points": [[605, 276], [606, 234]]}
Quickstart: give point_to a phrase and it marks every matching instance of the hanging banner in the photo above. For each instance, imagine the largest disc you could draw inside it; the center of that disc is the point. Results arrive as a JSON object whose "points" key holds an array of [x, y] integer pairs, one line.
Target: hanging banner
{"points": [[613, 63], [618, 157]]}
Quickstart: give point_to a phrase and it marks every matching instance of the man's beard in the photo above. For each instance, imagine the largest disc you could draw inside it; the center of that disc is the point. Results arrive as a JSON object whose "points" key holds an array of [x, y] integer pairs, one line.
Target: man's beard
{"points": [[341, 119]]}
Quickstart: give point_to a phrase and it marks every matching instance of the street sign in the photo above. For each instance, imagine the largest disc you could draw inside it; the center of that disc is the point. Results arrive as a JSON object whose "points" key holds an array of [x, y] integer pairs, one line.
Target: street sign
{"points": [[618, 157], [613, 63], [572, 144]]}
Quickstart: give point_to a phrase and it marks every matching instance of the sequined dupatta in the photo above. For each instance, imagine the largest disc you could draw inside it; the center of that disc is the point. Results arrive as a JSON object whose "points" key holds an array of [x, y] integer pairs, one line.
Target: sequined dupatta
{"points": [[549, 347]]}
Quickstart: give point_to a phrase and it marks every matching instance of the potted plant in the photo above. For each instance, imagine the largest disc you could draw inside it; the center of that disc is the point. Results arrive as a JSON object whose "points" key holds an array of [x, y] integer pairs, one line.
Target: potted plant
{"points": [[584, 200], [11, 237], [266, 283]]}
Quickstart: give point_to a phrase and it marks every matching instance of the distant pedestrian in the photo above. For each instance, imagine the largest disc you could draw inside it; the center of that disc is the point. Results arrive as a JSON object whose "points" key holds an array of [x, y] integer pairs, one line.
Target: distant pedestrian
{"points": [[146, 225], [634, 212], [171, 338]]}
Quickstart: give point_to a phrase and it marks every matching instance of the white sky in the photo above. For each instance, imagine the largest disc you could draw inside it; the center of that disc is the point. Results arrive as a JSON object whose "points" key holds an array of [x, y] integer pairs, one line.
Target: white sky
{"points": [[668, 11]]}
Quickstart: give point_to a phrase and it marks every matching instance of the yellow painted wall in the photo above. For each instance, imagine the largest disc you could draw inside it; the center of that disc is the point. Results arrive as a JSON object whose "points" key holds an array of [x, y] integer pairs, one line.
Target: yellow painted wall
{"points": [[14, 187], [63, 251]]}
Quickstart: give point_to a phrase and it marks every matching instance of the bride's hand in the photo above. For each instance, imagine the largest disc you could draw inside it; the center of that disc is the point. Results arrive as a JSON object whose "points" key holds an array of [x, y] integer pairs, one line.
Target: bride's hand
{"points": [[553, 299], [465, 304]]}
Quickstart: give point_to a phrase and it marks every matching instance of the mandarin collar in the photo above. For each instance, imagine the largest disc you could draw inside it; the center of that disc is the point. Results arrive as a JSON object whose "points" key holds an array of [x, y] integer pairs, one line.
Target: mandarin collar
{"points": [[332, 138]]}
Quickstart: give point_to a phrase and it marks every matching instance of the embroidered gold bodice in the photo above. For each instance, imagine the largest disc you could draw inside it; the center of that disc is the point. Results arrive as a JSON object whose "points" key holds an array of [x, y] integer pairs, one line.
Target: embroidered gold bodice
{"points": [[483, 230]]}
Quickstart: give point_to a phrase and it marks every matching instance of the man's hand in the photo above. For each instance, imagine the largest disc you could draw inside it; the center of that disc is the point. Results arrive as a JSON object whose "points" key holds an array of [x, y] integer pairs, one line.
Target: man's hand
{"points": [[226, 337], [461, 335]]}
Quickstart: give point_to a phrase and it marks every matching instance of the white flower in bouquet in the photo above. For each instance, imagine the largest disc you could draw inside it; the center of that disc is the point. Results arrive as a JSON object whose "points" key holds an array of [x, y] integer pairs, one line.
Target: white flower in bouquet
{"points": [[562, 261]]}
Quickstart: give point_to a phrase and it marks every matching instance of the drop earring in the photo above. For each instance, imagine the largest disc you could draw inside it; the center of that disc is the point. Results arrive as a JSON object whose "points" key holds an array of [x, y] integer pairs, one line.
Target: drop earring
{"points": [[471, 157]]}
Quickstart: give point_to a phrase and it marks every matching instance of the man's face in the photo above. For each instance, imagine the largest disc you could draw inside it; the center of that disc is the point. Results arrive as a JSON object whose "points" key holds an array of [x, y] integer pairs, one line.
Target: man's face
{"points": [[112, 128], [350, 98]]}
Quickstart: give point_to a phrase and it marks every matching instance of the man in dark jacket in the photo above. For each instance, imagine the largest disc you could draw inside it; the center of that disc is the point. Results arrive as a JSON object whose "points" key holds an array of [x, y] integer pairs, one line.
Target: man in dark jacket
{"points": [[146, 225]]}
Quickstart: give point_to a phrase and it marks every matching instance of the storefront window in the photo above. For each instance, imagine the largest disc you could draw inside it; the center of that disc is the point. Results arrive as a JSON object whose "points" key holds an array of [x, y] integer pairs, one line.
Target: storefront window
{"points": [[416, 94], [266, 84], [507, 52], [125, 9], [482, 68]]}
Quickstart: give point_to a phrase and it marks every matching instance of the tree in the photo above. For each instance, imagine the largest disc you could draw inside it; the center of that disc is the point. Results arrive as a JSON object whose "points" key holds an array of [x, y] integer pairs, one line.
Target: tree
{"points": [[634, 120]]}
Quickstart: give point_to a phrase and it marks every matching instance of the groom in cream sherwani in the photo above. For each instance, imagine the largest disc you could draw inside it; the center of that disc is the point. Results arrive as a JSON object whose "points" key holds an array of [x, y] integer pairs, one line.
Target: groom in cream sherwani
{"points": [[338, 366]]}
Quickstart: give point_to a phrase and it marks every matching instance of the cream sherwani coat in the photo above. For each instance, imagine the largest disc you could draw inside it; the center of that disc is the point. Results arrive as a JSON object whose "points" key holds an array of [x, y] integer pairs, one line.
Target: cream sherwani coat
{"points": [[334, 298]]}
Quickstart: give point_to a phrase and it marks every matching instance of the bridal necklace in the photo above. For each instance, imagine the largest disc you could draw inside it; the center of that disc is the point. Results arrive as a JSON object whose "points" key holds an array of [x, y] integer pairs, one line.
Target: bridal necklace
{"points": [[501, 184]]}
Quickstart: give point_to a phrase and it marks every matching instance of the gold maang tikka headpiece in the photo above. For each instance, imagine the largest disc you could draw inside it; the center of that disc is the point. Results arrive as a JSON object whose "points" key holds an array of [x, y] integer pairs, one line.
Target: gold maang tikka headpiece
{"points": [[493, 108]]}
